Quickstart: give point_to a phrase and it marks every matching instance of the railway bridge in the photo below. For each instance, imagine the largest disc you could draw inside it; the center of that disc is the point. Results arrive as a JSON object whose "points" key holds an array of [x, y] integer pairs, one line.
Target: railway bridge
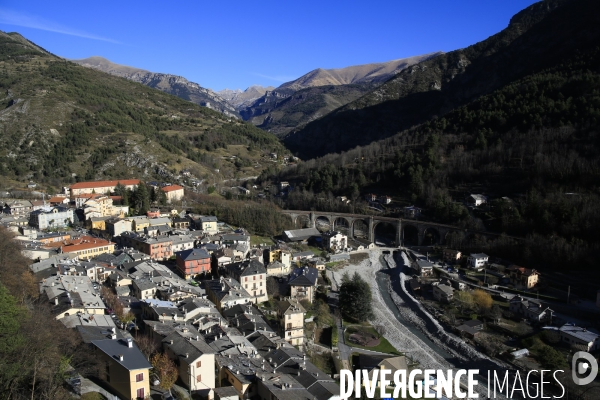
{"points": [[407, 231]]}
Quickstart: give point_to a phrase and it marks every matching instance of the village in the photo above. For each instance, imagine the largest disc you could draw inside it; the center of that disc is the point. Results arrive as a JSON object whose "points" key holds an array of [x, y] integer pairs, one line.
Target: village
{"points": [[243, 316]]}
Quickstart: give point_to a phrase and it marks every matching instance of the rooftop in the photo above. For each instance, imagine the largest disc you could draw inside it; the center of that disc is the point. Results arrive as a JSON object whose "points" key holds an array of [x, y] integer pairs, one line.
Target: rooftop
{"points": [[171, 188], [133, 358], [193, 254], [304, 276], [96, 184], [580, 333], [301, 234]]}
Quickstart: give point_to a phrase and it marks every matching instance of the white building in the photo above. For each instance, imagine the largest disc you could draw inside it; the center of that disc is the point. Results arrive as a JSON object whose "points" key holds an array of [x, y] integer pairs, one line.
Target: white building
{"points": [[334, 241], [477, 261], [52, 217], [173, 192]]}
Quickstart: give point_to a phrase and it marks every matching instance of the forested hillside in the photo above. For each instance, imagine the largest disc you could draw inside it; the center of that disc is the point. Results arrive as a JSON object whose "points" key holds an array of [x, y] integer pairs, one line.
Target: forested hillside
{"points": [[35, 349], [535, 141], [537, 38], [60, 119]]}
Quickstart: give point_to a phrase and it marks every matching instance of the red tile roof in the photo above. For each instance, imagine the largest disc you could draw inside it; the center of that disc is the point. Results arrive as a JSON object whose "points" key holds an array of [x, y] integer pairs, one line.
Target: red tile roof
{"points": [[95, 184], [84, 243], [172, 188]]}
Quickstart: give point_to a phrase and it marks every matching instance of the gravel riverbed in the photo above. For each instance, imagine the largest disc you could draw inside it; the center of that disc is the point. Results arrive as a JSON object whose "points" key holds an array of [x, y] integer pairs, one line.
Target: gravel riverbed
{"points": [[458, 353]]}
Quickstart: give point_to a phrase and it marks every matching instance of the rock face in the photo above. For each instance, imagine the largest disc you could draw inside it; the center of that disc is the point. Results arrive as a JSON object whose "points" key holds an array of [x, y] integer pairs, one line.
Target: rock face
{"points": [[172, 84], [243, 98]]}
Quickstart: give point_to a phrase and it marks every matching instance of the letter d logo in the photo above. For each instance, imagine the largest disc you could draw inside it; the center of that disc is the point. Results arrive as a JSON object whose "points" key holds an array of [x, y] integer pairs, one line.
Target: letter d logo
{"points": [[580, 367]]}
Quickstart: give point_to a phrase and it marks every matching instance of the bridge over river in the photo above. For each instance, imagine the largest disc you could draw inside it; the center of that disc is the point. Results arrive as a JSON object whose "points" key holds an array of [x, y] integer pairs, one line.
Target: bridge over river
{"points": [[405, 231]]}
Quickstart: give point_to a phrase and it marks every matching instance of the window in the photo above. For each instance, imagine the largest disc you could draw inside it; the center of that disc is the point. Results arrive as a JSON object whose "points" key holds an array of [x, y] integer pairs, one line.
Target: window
{"points": [[140, 393], [246, 279], [139, 378], [199, 378], [198, 364], [254, 277]]}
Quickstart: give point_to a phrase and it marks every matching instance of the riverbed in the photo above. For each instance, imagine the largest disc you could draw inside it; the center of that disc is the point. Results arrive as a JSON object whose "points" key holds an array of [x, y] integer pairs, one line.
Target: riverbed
{"points": [[408, 326]]}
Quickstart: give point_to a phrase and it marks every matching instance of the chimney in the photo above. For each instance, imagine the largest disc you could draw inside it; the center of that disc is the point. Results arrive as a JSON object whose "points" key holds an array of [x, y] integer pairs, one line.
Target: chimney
{"points": [[113, 336], [55, 300], [170, 341], [129, 343], [186, 355], [120, 357]]}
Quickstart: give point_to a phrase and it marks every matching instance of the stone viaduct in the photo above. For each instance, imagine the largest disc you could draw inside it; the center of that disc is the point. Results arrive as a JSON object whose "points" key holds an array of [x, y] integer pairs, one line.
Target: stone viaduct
{"points": [[405, 229]]}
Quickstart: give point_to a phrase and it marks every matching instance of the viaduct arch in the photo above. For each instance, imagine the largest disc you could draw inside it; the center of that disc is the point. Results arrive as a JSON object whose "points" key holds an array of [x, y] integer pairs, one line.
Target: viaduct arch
{"points": [[407, 231]]}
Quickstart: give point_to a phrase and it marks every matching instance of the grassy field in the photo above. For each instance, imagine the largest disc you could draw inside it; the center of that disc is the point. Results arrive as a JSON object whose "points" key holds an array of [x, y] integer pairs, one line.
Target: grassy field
{"points": [[384, 346], [257, 240], [315, 250]]}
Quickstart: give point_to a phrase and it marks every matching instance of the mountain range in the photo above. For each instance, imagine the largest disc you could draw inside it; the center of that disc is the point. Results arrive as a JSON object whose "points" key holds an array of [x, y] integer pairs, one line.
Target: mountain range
{"points": [[277, 110], [172, 84], [317, 93], [366, 73], [242, 98]]}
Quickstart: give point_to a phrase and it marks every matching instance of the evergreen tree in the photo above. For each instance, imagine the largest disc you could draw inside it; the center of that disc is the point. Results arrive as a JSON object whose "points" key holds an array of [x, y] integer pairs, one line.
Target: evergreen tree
{"points": [[142, 198], [161, 197], [153, 195], [120, 190], [355, 298]]}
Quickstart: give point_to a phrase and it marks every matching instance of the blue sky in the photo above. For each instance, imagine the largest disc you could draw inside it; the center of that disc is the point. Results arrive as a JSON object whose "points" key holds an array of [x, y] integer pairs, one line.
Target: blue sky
{"points": [[235, 44]]}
